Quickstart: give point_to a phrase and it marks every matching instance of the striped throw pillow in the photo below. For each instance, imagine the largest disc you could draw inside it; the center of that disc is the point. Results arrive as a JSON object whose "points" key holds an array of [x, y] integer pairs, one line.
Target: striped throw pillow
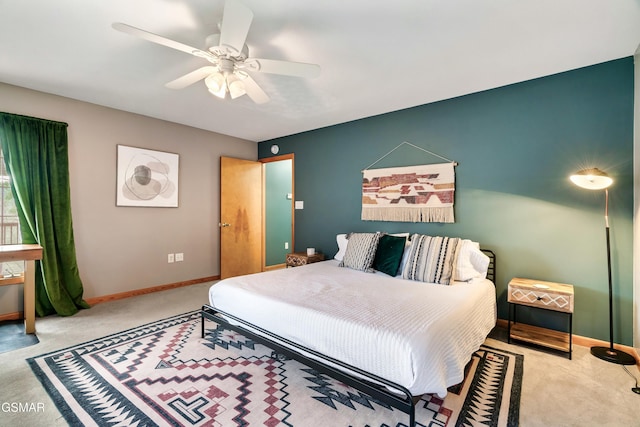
{"points": [[431, 259], [361, 251]]}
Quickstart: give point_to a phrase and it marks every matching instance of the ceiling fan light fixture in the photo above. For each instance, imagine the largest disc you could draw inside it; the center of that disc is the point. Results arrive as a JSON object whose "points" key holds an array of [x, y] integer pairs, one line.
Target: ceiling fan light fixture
{"points": [[215, 82], [228, 54], [220, 94], [236, 87]]}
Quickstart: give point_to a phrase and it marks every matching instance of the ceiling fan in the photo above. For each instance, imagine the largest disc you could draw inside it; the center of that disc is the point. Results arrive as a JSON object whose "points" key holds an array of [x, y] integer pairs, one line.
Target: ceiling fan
{"points": [[229, 57]]}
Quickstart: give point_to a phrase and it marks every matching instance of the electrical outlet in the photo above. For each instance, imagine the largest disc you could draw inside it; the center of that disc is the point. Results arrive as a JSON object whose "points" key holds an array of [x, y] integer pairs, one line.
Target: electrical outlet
{"points": [[179, 257], [170, 258], [286, 245]]}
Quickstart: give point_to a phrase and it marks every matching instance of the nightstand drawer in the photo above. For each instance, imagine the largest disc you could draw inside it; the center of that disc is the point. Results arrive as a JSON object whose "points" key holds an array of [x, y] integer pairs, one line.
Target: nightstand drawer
{"points": [[535, 293]]}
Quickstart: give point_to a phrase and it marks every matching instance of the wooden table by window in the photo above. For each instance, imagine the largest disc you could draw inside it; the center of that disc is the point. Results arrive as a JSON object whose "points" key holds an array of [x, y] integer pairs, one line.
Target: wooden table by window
{"points": [[29, 254]]}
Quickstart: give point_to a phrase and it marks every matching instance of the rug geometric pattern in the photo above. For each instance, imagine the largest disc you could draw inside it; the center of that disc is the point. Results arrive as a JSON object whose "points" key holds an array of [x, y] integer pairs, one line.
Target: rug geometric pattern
{"points": [[164, 373]]}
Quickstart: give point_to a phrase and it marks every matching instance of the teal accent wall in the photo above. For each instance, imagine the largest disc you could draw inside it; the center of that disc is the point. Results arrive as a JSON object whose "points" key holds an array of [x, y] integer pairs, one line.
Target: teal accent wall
{"points": [[516, 146], [278, 177]]}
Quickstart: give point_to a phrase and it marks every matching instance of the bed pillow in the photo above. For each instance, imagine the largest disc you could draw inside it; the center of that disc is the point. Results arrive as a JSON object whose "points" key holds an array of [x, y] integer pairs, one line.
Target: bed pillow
{"points": [[431, 259], [361, 251], [405, 256], [470, 262], [480, 262], [389, 254], [341, 240], [405, 235]]}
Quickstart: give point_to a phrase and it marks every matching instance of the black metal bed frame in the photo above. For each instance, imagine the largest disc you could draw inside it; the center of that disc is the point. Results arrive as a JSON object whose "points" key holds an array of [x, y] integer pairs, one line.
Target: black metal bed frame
{"points": [[376, 387]]}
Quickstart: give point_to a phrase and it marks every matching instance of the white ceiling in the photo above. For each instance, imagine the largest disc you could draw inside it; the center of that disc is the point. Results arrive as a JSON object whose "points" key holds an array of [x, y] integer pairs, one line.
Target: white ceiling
{"points": [[376, 56]]}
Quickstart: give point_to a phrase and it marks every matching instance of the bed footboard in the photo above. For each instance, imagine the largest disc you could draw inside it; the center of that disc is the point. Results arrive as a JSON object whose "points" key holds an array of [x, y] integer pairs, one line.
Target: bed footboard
{"points": [[376, 387]]}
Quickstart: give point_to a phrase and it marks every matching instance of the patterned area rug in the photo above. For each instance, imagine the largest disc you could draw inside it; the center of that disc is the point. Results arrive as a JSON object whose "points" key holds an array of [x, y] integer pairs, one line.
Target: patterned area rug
{"points": [[164, 373]]}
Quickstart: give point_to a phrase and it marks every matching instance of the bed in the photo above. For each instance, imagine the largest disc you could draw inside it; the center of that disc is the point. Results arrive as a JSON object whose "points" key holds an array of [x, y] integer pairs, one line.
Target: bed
{"points": [[424, 317]]}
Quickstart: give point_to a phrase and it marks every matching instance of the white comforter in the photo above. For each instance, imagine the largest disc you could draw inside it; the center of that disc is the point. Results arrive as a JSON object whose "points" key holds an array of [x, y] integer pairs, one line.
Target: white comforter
{"points": [[416, 334]]}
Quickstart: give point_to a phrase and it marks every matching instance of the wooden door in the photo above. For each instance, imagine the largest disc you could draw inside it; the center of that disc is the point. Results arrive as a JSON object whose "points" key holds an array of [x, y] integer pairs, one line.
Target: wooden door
{"points": [[240, 217]]}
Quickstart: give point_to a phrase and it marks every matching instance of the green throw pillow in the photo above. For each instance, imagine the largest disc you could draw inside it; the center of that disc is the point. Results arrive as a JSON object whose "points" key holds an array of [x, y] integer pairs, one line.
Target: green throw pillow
{"points": [[389, 254]]}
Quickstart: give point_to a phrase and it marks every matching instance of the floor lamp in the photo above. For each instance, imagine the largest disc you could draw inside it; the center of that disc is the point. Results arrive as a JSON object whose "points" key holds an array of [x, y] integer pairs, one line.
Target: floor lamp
{"points": [[595, 179]]}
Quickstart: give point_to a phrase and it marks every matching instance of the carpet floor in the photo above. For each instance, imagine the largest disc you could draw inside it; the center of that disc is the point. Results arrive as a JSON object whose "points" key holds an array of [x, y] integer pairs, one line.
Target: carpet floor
{"points": [[164, 373], [12, 336]]}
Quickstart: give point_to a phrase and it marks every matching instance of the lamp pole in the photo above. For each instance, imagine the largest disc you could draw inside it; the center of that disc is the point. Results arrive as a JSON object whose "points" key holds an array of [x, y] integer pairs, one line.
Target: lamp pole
{"points": [[606, 225], [609, 353]]}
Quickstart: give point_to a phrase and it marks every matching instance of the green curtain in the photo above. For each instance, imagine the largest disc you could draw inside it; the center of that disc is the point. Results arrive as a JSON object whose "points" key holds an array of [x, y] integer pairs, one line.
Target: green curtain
{"points": [[36, 158]]}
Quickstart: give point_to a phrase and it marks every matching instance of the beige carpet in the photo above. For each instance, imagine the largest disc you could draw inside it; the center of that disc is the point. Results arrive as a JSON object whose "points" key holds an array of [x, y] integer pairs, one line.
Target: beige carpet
{"points": [[556, 391]]}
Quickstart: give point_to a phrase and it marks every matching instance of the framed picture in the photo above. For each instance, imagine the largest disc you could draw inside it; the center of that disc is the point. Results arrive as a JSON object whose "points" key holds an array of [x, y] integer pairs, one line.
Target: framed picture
{"points": [[146, 178]]}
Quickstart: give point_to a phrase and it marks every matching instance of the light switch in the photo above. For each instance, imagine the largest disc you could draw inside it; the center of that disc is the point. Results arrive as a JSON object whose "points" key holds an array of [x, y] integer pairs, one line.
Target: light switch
{"points": [[299, 204]]}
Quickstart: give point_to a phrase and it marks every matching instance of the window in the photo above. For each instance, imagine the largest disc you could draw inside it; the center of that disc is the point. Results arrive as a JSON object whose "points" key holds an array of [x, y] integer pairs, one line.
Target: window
{"points": [[9, 224]]}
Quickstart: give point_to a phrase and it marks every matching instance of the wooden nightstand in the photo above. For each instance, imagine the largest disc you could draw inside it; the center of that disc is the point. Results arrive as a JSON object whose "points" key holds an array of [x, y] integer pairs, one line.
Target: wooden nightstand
{"points": [[297, 259], [546, 296]]}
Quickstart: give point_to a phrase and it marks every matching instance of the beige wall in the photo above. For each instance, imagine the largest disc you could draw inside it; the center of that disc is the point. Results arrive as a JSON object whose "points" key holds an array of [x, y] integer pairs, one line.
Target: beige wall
{"points": [[125, 248]]}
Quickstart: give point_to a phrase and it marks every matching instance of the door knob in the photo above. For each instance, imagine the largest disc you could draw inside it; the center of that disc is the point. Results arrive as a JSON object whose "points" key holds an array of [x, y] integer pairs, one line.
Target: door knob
{"points": [[223, 224]]}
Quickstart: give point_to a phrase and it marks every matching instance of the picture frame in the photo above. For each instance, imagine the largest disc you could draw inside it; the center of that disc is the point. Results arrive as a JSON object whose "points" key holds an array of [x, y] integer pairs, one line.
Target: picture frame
{"points": [[147, 178]]}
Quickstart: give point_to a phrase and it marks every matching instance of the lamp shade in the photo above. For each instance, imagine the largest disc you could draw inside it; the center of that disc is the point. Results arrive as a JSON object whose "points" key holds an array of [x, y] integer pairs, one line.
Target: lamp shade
{"points": [[216, 84], [236, 87], [591, 179]]}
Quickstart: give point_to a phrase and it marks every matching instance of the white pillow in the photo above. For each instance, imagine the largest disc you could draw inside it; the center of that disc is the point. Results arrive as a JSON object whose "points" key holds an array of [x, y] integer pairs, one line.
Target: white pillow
{"points": [[470, 262], [342, 241], [405, 256], [480, 262]]}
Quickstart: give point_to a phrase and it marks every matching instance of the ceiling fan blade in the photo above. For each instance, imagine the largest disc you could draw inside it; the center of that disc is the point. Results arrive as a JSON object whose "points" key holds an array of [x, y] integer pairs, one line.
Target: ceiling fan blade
{"points": [[254, 91], [287, 68], [236, 20], [191, 78], [157, 39]]}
